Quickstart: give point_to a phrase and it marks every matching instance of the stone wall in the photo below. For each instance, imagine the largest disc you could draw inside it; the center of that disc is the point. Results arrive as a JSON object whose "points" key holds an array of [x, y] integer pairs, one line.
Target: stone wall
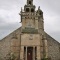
{"points": [[4, 47], [10, 44], [53, 48]]}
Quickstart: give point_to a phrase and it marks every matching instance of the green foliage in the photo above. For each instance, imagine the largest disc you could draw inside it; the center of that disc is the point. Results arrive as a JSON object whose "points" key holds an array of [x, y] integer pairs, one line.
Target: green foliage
{"points": [[10, 56], [0, 57], [13, 57], [46, 59]]}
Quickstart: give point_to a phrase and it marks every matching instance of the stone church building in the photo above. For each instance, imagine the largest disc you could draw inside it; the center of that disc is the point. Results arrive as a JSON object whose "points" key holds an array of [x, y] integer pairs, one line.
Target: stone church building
{"points": [[30, 41]]}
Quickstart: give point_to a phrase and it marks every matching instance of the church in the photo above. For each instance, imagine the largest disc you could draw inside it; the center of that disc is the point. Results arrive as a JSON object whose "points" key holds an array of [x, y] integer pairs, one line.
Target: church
{"points": [[30, 41]]}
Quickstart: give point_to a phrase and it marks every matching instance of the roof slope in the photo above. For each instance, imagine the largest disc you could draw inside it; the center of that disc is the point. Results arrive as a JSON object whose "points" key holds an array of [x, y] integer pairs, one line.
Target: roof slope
{"points": [[48, 37]]}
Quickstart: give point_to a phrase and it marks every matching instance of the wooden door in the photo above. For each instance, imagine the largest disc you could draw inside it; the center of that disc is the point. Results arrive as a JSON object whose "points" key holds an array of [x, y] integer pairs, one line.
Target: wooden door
{"points": [[29, 53]]}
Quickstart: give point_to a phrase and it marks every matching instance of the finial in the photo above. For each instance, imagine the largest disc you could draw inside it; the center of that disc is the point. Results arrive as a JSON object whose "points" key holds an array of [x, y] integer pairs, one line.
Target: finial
{"points": [[39, 8], [21, 9]]}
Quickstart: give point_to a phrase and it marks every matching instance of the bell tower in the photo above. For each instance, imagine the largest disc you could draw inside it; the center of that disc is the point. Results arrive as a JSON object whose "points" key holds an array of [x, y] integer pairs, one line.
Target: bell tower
{"points": [[31, 32], [31, 19]]}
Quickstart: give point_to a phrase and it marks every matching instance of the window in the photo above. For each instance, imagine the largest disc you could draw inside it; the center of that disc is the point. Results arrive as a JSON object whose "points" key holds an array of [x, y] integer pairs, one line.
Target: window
{"points": [[40, 13], [27, 9], [32, 10], [30, 2]]}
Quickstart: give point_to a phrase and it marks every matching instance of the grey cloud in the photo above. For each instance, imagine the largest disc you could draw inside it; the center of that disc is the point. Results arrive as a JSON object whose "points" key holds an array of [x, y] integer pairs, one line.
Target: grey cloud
{"points": [[52, 6], [55, 35], [11, 4], [7, 28], [1, 20]]}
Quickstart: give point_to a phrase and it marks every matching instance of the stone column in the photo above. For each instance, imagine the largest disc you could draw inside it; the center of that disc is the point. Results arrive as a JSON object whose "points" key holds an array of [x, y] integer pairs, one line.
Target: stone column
{"points": [[38, 53], [46, 49], [22, 53], [34, 53], [26, 52]]}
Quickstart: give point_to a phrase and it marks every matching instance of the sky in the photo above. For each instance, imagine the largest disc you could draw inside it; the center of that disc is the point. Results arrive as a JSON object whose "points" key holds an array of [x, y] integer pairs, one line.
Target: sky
{"points": [[10, 19]]}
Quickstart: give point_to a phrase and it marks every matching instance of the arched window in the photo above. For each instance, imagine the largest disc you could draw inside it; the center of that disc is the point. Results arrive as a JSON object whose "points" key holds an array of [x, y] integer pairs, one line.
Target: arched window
{"points": [[32, 10], [40, 13], [27, 9], [30, 2]]}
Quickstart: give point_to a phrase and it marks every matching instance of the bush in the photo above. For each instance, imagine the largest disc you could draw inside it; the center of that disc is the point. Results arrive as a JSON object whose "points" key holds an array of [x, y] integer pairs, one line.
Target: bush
{"points": [[10, 56], [0, 57], [46, 59]]}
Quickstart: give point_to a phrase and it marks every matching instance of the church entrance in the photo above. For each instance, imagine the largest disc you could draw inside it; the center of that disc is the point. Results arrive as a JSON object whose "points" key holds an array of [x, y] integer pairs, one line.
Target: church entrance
{"points": [[30, 53]]}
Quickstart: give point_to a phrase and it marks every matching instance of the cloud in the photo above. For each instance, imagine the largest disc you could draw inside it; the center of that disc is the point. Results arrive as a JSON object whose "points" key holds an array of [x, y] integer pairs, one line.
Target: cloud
{"points": [[7, 28]]}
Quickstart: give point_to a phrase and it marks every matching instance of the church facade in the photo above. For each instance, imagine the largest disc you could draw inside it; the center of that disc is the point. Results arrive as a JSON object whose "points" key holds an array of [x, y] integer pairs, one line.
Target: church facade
{"points": [[30, 41]]}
